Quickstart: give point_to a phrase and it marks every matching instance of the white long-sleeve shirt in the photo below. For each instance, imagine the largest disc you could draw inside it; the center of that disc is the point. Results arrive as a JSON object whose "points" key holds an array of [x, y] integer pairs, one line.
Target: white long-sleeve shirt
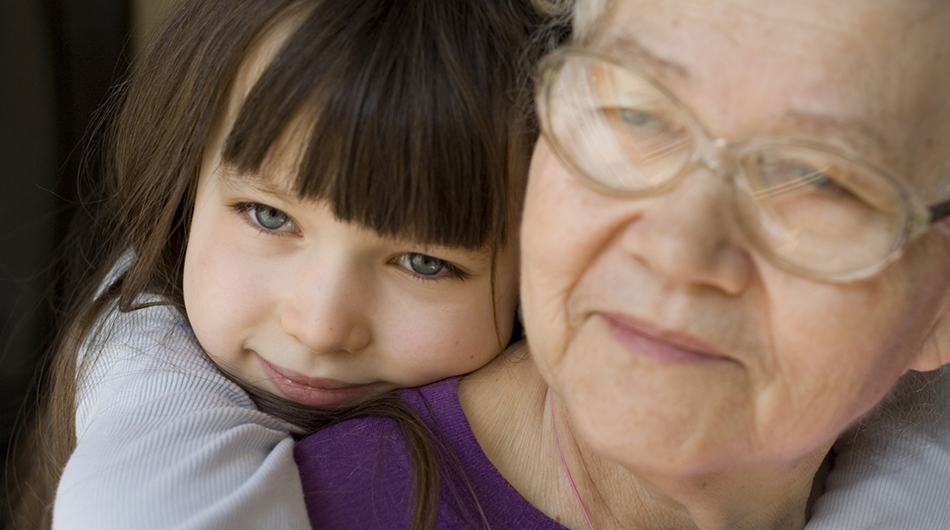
{"points": [[167, 442]]}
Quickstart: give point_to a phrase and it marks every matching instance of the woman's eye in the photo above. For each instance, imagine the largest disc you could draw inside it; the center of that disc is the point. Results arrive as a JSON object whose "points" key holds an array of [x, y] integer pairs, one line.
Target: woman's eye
{"points": [[427, 266], [638, 118], [817, 179], [792, 177], [809, 175]]}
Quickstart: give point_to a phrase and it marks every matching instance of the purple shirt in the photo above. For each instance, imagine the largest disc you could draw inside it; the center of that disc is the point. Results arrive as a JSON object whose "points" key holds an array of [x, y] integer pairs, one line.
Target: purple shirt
{"points": [[357, 474]]}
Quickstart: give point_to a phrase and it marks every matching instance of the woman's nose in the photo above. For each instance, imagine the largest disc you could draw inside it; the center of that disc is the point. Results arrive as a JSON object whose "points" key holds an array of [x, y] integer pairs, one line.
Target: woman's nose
{"points": [[690, 234], [327, 309]]}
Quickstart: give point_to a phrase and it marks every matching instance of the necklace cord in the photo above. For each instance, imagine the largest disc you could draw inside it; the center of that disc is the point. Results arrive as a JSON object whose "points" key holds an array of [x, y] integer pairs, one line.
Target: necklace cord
{"points": [[570, 479]]}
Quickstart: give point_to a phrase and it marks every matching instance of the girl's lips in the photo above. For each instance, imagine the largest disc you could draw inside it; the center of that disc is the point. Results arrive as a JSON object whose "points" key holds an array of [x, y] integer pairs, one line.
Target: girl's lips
{"points": [[660, 345], [324, 393]]}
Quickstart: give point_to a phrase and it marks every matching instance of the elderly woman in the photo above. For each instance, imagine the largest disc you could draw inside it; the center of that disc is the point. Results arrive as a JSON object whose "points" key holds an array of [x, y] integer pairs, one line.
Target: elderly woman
{"points": [[729, 256]]}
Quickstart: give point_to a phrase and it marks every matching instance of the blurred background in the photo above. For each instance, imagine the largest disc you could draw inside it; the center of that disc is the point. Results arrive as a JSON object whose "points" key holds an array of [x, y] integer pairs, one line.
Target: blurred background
{"points": [[59, 59]]}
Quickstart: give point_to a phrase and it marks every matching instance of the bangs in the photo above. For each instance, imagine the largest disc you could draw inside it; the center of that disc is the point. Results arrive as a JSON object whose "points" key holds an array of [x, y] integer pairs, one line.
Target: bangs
{"points": [[409, 110]]}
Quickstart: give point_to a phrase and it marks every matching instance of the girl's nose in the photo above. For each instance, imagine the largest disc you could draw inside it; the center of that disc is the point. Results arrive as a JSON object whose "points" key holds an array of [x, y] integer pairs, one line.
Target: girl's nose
{"points": [[690, 234], [327, 309]]}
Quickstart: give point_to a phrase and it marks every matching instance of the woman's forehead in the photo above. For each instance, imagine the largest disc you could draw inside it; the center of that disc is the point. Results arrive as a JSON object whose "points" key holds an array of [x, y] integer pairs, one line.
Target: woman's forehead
{"points": [[753, 67]]}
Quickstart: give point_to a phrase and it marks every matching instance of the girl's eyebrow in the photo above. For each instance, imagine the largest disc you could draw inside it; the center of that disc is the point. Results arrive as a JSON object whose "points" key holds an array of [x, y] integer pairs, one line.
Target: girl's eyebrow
{"points": [[481, 256], [243, 183]]}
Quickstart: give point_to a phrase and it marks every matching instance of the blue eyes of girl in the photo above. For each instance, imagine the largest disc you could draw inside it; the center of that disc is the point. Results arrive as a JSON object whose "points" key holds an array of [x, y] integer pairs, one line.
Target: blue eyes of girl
{"points": [[427, 266], [270, 220]]}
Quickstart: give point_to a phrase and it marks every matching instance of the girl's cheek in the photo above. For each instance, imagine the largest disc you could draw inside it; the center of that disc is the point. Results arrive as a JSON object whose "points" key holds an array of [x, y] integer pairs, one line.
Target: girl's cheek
{"points": [[459, 340]]}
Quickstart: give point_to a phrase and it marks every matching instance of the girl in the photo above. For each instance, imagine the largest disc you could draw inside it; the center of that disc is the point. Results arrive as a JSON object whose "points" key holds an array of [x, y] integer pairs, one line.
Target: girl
{"points": [[320, 195]]}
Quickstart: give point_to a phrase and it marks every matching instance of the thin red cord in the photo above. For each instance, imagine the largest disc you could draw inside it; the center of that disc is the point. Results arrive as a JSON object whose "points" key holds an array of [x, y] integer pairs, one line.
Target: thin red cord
{"points": [[564, 461]]}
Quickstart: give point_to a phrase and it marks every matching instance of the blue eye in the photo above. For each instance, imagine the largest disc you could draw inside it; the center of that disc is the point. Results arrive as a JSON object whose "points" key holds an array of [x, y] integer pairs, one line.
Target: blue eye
{"points": [[638, 118], [786, 176], [265, 218], [428, 267], [425, 265], [270, 218]]}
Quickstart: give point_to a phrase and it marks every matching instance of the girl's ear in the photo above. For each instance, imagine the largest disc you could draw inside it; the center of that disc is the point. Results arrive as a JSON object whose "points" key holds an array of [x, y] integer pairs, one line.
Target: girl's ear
{"points": [[936, 350]]}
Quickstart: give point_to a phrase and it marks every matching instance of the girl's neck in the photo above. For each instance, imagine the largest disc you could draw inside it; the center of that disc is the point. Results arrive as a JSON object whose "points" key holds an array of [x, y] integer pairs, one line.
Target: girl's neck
{"points": [[508, 407]]}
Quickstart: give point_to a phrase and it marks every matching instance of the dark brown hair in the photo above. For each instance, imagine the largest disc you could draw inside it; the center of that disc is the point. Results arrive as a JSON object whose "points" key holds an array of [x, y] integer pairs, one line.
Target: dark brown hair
{"points": [[420, 125]]}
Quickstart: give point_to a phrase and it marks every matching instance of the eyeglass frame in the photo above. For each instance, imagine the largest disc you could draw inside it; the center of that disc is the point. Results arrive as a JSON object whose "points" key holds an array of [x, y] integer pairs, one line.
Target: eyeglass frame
{"points": [[918, 216]]}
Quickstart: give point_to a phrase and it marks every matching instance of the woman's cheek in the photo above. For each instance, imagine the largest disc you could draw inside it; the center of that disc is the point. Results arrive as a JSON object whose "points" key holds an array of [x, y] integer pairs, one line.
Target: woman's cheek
{"points": [[558, 242]]}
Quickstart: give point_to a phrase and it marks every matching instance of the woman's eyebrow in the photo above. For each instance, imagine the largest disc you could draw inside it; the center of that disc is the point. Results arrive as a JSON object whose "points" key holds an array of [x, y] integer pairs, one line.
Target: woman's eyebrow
{"points": [[858, 135], [628, 48]]}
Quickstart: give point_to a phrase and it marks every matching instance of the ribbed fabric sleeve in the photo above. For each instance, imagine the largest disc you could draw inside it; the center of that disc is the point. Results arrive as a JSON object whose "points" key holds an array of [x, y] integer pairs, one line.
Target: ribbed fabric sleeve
{"points": [[890, 475], [165, 441]]}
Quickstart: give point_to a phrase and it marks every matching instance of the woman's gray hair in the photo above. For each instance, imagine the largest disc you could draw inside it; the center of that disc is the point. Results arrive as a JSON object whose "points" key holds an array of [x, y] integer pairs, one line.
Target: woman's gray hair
{"points": [[906, 421], [585, 15]]}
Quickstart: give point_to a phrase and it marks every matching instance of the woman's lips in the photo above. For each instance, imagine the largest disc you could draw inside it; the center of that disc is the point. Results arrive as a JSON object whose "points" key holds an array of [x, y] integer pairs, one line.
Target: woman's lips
{"points": [[660, 345], [324, 393]]}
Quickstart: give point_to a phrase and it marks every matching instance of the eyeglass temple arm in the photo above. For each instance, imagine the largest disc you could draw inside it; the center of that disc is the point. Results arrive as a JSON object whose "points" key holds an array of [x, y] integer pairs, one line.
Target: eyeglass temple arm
{"points": [[939, 211]]}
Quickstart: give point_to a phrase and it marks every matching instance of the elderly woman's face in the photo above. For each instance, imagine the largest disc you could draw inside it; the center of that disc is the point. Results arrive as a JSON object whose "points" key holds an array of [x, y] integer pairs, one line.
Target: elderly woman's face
{"points": [[672, 340]]}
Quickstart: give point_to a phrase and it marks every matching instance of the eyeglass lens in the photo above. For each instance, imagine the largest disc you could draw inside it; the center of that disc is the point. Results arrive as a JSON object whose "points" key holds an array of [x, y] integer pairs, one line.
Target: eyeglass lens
{"points": [[806, 207]]}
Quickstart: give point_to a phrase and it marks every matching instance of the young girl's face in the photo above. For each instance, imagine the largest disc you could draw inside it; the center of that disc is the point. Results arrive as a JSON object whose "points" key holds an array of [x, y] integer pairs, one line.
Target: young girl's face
{"points": [[290, 299]]}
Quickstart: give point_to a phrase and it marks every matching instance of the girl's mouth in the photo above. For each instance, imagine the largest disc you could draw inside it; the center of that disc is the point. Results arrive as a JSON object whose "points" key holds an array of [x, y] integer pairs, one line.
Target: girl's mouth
{"points": [[316, 392]]}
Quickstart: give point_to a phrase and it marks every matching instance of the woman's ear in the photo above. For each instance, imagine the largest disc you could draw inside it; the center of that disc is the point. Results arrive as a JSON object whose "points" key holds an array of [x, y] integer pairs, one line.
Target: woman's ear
{"points": [[936, 350]]}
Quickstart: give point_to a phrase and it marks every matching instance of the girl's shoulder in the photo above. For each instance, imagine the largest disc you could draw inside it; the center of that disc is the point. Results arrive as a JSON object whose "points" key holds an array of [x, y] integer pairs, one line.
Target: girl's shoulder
{"points": [[154, 327]]}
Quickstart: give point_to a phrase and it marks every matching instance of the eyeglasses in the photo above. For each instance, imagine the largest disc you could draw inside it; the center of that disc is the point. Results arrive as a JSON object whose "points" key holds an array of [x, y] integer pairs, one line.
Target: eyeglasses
{"points": [[813, 209]]}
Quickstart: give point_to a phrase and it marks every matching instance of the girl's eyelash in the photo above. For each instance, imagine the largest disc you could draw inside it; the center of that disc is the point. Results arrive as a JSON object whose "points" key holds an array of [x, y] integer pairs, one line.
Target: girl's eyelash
{"points": [[453, 272], [245, 210]]}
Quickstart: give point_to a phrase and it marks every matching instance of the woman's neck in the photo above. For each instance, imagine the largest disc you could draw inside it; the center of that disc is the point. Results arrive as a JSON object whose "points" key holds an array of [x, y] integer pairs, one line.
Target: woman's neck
{"points": [[514, 420]]}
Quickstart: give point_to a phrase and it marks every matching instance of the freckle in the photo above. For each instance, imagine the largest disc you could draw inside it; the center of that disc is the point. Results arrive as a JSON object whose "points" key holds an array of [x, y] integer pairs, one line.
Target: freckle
{"points": [[676, 23], [331, 329], [929, 143]]}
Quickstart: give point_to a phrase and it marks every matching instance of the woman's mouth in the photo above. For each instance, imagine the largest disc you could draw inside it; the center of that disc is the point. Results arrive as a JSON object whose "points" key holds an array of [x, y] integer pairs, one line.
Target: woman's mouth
{"points": [[316, 392], [660, 345]]}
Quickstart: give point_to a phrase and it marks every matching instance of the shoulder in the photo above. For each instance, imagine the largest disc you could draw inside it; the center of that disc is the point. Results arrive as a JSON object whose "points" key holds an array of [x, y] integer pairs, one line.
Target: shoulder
{"points": [[890, 473], [505, 401], [148, 360], [359, 473], [155, 336], [380, 432]]}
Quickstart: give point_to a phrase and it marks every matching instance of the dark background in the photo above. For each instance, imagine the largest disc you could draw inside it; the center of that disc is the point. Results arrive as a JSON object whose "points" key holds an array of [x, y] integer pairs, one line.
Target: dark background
{"points": [[58, 60]]}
